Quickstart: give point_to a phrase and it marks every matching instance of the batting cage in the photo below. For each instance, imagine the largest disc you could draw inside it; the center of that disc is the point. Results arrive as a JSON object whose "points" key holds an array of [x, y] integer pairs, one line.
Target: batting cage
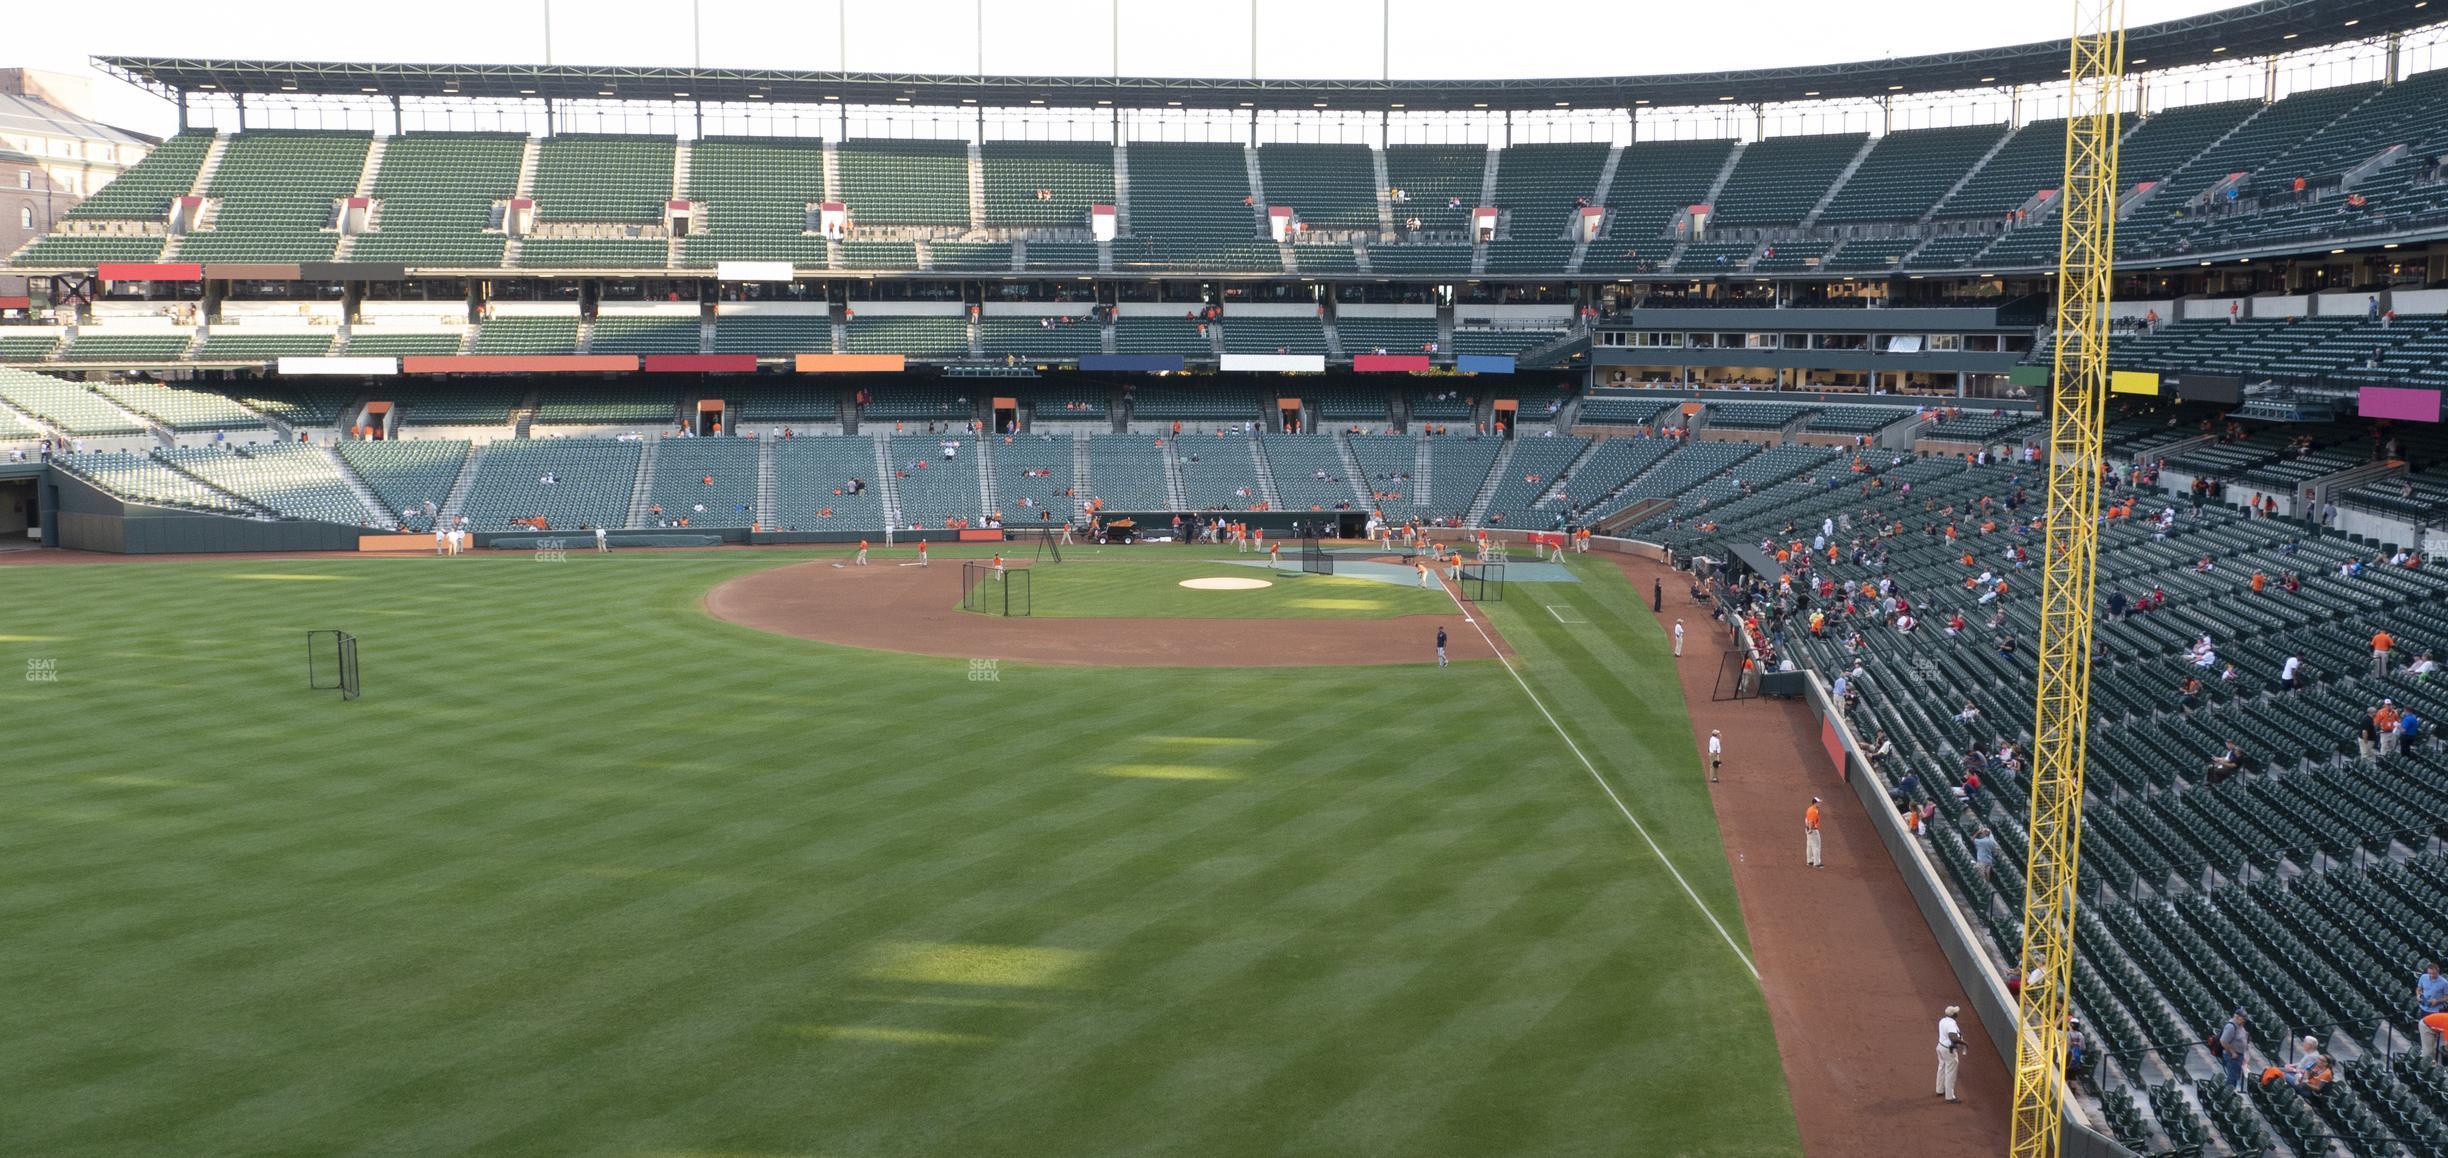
{"points": [[1313, 558], [987, 590], [1483, 582], [331, 663]]}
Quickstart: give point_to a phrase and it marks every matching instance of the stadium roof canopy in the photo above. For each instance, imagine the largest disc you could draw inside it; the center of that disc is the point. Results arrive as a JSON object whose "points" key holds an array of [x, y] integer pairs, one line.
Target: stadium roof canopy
{"points": [[2264, 28]]}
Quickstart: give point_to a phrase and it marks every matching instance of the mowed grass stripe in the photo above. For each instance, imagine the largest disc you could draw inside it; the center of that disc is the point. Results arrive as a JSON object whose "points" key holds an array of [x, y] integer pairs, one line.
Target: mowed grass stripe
{"points": [[588, 871]]}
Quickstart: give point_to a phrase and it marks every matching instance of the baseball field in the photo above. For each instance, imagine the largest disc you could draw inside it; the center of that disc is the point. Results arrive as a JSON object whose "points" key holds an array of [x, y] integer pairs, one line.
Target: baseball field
{"points": [[593, 868]]}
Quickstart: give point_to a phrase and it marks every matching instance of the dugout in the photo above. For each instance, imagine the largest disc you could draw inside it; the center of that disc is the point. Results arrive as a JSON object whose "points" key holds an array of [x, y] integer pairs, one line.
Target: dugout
{"points": [[1276, 524]]}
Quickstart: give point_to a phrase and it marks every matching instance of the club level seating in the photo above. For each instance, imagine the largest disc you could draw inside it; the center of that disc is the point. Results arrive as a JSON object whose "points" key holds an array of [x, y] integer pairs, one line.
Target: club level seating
{"points": [[233, 344], [593, 253], [1127, 471], [1038, 469], [1325, 257], [407, 475], [633, 334], [984, 256], [1536, 473], [1869, 255], [1439, 405], [607, 405], [1854, 419], [592, 480], [771, 334], [146, 479], [1190, 210], [752, 196], [1162, 335], [918, 336], [27, 347], [588, 177], [905, 182], [435, 195], [1309, 472], [1970, 427], [1392, 335], [1756, 415], [97, 346], [1906, 173], [879, 255], [1387, 462], [1505, 342], [1035, 338], [948, 403], [1068, 403], [88, 250], [1061, 254], [288, 478], [1623, 407], [403, 345], [1074, 174], [932, 488], [1271, 335], [1327, 186], [812, 477], [274, 192], [1195, 404], [294, 404], [1954, 251], [1778, 179], [766, 404], [678, 481], [528, 335], [1790, 256], [1458, 465], [179, 407], [1714, 256], [1340, 404], [144, 192], [437, 405], [1419, 259]]}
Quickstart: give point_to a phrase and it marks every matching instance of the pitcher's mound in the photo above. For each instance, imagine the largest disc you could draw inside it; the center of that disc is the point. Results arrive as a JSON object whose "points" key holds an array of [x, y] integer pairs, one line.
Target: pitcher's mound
{"points": [[1223, 584]]}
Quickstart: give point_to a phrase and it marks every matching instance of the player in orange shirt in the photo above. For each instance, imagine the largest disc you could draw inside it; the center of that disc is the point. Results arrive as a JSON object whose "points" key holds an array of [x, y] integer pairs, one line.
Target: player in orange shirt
{"points": [[1810, 834], [862, 555]]}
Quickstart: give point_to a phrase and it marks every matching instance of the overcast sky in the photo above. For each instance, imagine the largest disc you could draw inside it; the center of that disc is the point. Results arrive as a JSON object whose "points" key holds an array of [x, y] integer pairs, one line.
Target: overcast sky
{"points": [[1296, 38]]}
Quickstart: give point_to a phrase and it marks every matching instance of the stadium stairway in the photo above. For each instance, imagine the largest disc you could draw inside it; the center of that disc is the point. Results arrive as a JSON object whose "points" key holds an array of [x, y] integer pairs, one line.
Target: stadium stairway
{"points": [[1266, 474], [379, 510], [1177, 494], [1837, 186], [641, 488], [988, 500], [1354, 473], [1931, 214], [884, 478], [1487, 486], [1080, 463], [766, 484], [1420, 480], [457, 502], [1606, 188]]}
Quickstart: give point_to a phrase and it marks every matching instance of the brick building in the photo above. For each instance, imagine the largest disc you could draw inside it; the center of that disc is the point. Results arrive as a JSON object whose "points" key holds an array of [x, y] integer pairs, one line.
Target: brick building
{"points": [[53, 153]]}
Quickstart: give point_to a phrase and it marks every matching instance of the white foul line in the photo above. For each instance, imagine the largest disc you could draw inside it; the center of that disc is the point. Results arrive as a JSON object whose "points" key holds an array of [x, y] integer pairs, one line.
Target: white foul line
{"points": [[1603, 786], [1559, 616]]}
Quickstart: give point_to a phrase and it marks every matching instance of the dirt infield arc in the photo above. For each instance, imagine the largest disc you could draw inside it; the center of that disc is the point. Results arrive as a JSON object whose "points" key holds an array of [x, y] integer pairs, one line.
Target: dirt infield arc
{"points": [[916, 610]]}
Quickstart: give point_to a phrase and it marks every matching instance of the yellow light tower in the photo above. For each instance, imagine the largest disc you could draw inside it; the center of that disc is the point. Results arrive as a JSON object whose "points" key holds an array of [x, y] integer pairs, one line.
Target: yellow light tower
{"points": [[2077, 412]]}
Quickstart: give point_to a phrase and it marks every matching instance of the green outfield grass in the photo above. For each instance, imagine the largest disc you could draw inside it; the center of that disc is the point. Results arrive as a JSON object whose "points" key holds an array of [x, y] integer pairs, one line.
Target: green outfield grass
{"points": [[1144, 583], [589, 872]]}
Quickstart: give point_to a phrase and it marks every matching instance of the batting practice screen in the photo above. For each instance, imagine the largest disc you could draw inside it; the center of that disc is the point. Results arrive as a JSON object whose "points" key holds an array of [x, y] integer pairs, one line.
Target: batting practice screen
{"points": [[1313, 558], [1484, 583], [331, 663], [989, 591]]}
